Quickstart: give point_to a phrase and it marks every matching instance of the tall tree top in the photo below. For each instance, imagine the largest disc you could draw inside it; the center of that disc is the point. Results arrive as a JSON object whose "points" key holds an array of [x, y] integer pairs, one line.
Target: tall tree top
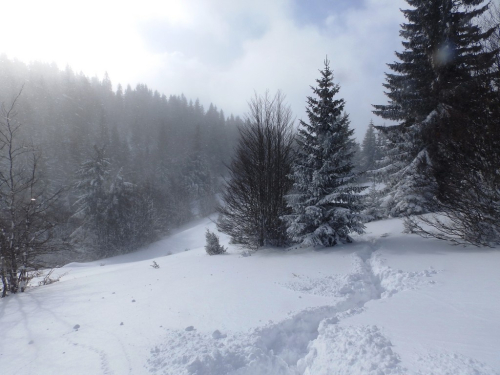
{"points": [[442, 56], [324, 108]]}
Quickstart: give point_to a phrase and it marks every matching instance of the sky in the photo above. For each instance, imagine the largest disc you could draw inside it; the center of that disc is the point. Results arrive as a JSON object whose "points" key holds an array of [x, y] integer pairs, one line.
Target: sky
{"points": [[219, 51]]}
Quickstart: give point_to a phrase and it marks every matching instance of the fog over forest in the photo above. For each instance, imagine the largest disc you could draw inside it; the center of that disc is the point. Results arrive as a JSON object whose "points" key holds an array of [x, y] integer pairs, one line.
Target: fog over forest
{"points": [[256, 188], [162, 155]]}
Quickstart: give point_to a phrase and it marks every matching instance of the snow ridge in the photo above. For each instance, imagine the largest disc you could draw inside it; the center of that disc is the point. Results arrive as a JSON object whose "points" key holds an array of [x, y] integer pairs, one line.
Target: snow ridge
{"points": [[357, 350], [309, 342]]}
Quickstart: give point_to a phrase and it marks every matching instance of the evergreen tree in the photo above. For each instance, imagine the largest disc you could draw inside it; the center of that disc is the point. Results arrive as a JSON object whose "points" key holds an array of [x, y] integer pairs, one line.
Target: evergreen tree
{"points": [[375, 208], [378, 203], [92, 182], [131, 217], [199, 181], [115, 216], [357, 159], [441, 75], [369, 149], [325, 201], [213, 247]]}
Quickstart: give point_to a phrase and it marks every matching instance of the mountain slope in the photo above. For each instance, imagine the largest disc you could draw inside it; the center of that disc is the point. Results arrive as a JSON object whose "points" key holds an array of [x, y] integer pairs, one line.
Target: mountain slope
{"points": [[388, 304]]}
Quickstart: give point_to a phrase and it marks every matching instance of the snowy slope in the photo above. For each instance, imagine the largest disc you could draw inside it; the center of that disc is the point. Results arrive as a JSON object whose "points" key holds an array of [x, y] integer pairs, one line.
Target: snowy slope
{"points": [[388, 304]]}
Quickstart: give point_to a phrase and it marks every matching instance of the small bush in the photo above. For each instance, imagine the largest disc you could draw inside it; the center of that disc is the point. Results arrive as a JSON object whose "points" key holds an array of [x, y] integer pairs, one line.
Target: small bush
{"points": [[48, 279], [213, 246]]}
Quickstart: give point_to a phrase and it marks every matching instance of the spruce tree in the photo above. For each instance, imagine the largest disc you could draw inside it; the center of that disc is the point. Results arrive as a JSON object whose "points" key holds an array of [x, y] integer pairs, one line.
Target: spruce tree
{"points": [[369, 149], [212, 246], [199, 180], [440, 77], [325, 200], [92, 204]]}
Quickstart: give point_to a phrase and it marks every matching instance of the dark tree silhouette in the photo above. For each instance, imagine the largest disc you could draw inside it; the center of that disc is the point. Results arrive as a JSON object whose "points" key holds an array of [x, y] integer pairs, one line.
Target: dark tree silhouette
{"points": [[253, 201]]}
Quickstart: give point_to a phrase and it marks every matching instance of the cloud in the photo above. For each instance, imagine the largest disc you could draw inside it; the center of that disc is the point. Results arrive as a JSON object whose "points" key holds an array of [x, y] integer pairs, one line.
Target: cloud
{"points": [[219, 51], [287, 55]]}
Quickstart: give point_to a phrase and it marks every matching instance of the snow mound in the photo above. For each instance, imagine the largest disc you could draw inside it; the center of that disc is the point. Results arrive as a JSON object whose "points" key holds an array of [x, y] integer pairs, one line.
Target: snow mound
{"points": [[350, 350], [273, 349], [201, 354]]}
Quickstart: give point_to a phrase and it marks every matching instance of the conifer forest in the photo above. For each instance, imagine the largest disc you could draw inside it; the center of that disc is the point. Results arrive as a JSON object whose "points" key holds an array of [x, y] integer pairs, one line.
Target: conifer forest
{"points": [[89, 170], [215, 187]]}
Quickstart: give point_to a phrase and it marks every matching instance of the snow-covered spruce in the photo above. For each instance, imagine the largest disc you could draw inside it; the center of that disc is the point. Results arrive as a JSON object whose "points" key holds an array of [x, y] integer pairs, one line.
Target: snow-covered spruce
{"points": [[325, 199], [113, 215], [440, 81], [213, 247], [370, 151]]}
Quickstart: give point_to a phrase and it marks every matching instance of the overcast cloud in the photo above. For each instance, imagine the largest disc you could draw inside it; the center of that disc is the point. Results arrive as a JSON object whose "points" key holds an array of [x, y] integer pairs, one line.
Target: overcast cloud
{"points": [[219, 51]]}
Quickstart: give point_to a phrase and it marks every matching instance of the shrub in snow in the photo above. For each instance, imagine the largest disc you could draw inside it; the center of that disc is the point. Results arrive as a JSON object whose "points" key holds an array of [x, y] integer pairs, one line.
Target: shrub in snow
{"points": [[213, 246], [48, 279]]}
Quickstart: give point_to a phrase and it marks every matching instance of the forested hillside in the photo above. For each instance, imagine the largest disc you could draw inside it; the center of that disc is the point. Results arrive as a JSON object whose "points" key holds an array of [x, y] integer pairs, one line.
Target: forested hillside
{"points": [[120, 166]]}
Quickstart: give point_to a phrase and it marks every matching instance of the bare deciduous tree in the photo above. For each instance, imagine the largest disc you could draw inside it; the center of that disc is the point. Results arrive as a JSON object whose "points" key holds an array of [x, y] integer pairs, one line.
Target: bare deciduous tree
{"points": [[253, 202], [26, 216]]}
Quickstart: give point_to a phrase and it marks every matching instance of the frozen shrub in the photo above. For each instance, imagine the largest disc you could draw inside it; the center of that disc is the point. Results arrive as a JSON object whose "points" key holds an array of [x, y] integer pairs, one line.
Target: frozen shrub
{"points": [[213, 246]]}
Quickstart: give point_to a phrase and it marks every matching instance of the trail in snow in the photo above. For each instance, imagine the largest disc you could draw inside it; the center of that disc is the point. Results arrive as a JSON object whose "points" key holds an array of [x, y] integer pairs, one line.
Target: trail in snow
{"points": [[346, 308], [309, 342]]}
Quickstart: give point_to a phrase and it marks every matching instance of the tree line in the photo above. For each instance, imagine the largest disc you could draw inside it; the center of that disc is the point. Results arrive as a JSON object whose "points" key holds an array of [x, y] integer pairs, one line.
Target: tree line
{"points": [[88, 172], [438, 165], [97, 172]]}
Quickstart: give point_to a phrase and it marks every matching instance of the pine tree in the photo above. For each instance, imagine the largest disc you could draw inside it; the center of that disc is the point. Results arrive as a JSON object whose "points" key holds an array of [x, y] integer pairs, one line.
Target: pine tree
{"points": [[325, 200], [199, 180], [115, 216], [357, 160], [369, 149], [440, 76], [92, 203], [213, 247]]}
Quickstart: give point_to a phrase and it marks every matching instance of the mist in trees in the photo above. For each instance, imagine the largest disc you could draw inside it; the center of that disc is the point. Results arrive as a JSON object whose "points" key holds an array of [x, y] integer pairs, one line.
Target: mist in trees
{"points": [[126, 166], [27, 204]]}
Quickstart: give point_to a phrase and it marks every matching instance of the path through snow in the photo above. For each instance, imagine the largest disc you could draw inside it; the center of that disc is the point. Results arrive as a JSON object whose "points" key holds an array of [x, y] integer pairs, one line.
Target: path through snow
{"points": [[310, 342], [335, 311]]}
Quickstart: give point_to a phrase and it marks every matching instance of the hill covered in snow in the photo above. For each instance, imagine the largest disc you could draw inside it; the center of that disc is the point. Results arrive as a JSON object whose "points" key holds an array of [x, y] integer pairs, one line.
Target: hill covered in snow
{"points": [[390, 303]]}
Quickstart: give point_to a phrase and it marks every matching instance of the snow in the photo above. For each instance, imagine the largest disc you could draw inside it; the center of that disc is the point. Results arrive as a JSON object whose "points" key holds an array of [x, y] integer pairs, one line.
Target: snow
{"points": [[390, 303]]}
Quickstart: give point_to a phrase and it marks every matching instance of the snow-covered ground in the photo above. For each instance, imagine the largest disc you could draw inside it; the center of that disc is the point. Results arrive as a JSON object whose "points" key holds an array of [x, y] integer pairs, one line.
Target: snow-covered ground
{"points": [[390, 303]]}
